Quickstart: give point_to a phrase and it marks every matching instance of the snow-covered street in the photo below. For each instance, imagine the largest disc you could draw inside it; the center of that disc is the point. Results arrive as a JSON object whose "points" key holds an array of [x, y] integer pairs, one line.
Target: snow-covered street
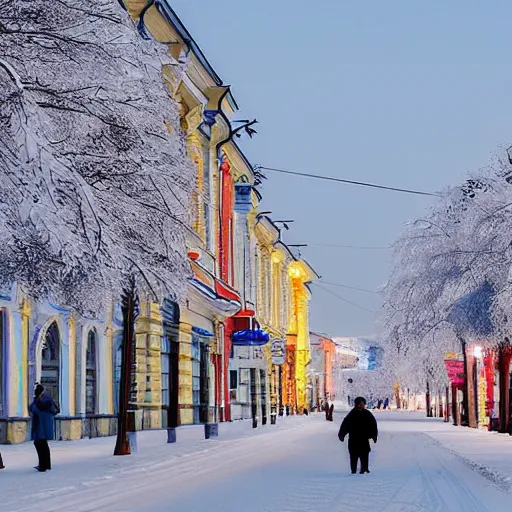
{"points": [[298, 465]]}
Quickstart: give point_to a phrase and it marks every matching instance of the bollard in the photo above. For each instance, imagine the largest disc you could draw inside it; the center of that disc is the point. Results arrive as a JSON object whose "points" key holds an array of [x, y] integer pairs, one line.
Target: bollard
{"points": [[171, 434], [211, 430], [273, 418], [1, 462]]}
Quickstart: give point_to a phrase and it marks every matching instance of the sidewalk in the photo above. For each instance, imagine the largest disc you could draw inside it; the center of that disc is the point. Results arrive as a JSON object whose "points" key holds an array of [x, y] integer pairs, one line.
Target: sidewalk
{"points": [[488, 453]]}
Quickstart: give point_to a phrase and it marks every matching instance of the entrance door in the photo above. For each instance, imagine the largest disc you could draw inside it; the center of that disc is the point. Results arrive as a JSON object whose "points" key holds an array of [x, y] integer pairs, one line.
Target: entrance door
{"points": [[50, 362], [204, 382]]}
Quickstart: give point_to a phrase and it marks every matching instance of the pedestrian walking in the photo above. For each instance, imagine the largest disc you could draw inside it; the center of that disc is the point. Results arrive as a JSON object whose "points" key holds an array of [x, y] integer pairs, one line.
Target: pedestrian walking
{"points": [[386, 404], [360, 425], [42, 412]]}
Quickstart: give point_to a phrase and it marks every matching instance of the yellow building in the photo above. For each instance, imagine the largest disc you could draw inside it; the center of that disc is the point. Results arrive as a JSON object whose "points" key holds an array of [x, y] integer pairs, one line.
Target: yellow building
{"points": [[273, 258], [298, 345]]}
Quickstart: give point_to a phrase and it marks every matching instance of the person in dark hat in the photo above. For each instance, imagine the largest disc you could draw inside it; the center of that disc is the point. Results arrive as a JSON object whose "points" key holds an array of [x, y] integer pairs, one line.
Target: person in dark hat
{"points": [[360, 425], [42, 412]]}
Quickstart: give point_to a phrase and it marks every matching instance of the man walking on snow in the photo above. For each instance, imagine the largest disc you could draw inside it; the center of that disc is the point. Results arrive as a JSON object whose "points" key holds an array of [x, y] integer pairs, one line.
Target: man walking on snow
{"points": [[360, 426]]}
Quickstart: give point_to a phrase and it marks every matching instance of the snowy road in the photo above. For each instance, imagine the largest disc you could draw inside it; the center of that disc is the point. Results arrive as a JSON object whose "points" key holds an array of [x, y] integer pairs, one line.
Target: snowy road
{"points": [[296, 468]]}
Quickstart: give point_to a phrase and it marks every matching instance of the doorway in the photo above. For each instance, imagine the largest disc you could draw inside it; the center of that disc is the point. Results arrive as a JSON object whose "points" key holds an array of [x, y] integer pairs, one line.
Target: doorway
{"points": [[50, 362]]}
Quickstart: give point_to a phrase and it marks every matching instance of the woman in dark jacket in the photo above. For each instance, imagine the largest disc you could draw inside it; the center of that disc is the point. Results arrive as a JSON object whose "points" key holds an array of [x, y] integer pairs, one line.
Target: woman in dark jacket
{"points": [[360, 426], [42, 411]]}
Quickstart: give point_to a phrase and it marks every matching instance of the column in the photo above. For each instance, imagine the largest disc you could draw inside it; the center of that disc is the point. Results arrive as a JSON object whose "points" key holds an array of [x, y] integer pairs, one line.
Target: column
{"points": [[13, 368], [25, 317], [185, 402], [65, 401], [104, 376], [107, 379], [72, 365]]}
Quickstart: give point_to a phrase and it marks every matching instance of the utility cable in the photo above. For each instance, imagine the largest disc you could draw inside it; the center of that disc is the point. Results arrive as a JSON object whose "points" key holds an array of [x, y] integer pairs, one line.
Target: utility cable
{"points": [[342, 298], [350, 182], [364, 247], [348, 287]]}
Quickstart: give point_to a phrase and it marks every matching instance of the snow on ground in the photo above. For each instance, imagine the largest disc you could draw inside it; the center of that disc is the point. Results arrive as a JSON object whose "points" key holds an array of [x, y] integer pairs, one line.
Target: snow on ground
{"points": [[418, 465]]}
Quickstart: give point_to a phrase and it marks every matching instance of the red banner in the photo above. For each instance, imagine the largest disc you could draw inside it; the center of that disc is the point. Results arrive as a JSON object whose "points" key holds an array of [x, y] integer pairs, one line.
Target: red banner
{"points": [[455, 371]]}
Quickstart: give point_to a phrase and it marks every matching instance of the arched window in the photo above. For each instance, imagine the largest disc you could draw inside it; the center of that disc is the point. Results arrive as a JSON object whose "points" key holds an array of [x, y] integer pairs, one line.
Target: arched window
{"points": [[117, 359], [91, 373], [50, 362]]}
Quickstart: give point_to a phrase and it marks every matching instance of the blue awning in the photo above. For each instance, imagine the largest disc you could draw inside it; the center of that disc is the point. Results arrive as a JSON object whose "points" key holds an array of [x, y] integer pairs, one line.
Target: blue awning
{"points": [[202, 332], [471, 315], [250, 337]]}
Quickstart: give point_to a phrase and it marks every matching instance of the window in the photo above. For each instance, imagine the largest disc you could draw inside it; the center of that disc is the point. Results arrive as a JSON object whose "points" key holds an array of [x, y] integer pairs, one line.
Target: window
{"points": [[118, 353], [206, 192], [243, 390], [196, 376], [91, 373], [233, 379], [50, 362], [165, 358]]}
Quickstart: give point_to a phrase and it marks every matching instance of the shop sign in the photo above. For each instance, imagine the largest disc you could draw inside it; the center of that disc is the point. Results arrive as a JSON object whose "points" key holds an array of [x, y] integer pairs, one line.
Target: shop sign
{"points": [[455, 370], [278, 351]]}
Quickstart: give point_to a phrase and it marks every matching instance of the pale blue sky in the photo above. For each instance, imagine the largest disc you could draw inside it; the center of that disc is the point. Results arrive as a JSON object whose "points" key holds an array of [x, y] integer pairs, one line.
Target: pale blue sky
{"points": [[405, 93]]}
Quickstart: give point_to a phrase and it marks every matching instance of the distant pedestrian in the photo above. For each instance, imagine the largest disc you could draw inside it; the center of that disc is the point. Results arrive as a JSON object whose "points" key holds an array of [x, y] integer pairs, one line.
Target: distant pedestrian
{"points": [[379, 404], [42, 411], [386, 404], [360, 426]]}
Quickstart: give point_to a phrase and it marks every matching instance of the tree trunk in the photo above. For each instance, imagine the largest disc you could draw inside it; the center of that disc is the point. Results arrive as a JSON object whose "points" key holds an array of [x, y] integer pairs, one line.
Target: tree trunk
{"points": [[447, 405], [504, 369], [397, 396], [129, 303], [455, 405], [465, 389], [427, 401]]}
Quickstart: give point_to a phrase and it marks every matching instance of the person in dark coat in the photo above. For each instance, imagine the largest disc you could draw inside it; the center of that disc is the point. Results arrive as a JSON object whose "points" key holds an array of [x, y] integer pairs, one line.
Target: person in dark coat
{"points": [[386, 404], [360, 425], [42, 412]]}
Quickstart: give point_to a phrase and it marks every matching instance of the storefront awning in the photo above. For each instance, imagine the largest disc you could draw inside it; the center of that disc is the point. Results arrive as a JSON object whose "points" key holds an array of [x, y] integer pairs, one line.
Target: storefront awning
{"points": [[250, 337], [202, 332]]}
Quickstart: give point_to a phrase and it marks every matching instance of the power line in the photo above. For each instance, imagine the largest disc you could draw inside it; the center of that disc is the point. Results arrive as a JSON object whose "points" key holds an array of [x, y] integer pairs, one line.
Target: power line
{"points": [[350, 182], [343, 298], [348, 287], [364, 247]]}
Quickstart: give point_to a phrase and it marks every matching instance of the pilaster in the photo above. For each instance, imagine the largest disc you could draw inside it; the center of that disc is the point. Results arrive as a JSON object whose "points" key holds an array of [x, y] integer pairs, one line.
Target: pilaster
{"points": [[66, 376], [185, 400], [25, 318], [13, 356]]}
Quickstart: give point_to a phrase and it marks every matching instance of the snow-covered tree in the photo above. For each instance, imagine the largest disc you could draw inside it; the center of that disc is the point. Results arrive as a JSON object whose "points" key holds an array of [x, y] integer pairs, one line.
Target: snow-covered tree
{"points": [[93, 168], [450, 283]]}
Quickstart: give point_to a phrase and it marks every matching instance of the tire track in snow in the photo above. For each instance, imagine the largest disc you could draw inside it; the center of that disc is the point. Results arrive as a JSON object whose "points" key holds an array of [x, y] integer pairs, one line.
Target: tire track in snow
{"points": [[177, 471], [445, 479]]}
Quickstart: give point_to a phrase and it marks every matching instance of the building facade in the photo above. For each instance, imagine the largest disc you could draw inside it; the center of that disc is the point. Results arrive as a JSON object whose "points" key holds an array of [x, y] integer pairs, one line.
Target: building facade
{"points": [[236, 346]]}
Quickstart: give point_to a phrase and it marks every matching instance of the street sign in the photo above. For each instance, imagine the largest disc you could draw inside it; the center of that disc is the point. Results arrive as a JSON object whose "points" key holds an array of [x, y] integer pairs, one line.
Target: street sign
{"points": [[278, 351]]}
